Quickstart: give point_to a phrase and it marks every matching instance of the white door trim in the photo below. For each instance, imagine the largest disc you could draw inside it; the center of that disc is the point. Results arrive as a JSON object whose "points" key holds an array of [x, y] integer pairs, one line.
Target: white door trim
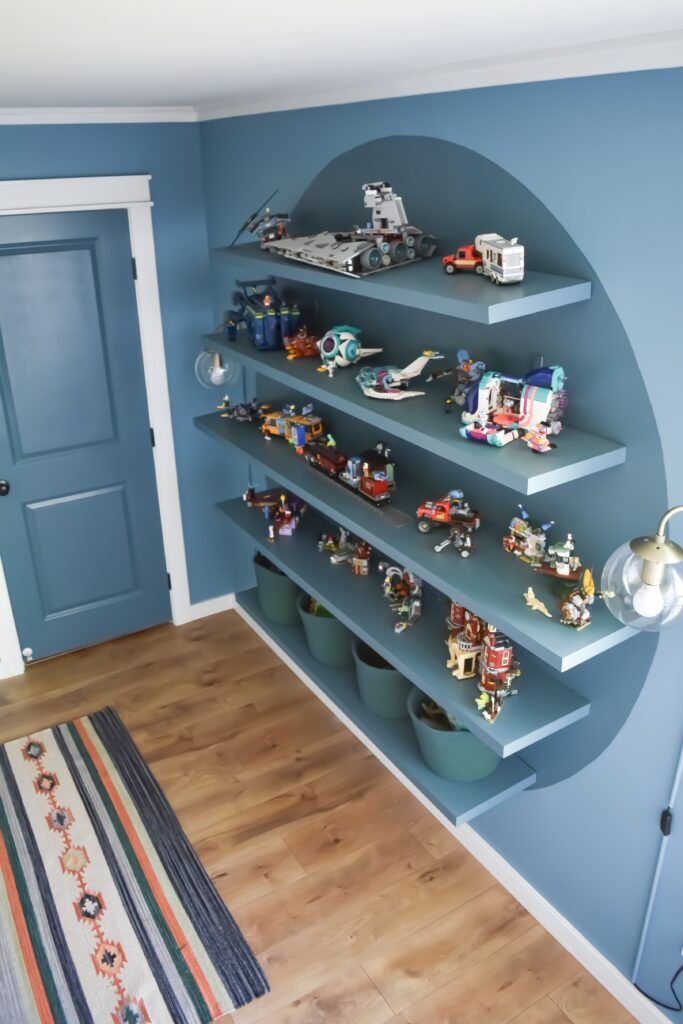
{"points": [[132, 193]]}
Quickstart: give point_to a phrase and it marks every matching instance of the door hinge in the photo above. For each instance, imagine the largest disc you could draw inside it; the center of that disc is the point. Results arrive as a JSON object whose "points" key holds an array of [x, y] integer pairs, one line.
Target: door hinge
{"points": [[168, 580], [135, 268], [665, 821], [151, 437]]}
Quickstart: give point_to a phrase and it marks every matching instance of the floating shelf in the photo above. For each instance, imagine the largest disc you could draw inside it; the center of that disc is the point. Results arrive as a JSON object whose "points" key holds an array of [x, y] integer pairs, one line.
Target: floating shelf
{"points": [[490, 584], [422, 421], [424, 285], [393, 741], [542, 707]]}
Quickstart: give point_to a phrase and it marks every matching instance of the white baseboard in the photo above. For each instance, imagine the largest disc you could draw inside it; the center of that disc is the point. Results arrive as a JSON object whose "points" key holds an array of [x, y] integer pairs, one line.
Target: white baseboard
{"points": [[638, 1005], [201, 609]]}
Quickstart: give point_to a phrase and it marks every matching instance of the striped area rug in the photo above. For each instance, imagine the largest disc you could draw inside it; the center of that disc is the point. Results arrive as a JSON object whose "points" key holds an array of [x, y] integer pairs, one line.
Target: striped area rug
{"points": [[106, 914]]}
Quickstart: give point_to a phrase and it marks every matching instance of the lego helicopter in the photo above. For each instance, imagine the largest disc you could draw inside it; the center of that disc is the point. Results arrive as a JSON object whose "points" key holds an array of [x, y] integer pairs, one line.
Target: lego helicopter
{"points": [[390, 381]]}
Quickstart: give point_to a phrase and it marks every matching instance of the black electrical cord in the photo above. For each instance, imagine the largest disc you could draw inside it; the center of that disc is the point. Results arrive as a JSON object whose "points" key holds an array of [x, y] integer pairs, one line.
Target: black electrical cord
{"points": [[665, 1006]]}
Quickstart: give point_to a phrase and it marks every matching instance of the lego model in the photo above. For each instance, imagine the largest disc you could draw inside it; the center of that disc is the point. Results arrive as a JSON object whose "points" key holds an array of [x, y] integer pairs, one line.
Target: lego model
{"points": [[390, 382], [535, 603], [467, 372], [343, 548], [298, 429], [478, 649], [301, 345], [499, 259], [340, 347], [530, 544], [388, 240], [403, 590], [501, 409], [242, 412], [456, 513], [575, 610], [282, 511], [260, 309], [371, 473]]}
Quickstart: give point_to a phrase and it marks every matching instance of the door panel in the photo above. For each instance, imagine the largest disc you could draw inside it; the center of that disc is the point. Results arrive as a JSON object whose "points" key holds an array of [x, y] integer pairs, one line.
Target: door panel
{"points": [[80, 533], [52, 330]]}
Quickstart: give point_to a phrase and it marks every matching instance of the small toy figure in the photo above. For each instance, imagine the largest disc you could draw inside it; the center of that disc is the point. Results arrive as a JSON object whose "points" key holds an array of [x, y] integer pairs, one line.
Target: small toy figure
{"points": [[466, 373], [301, 345], [282, 511], [360, 561], [389, 382], [456, 513], [260, 308], [535, 603], [501, 409], [298, 429], [371, 473], [340, 347], [464, 641], [242, 412], [403, 590], [497, 671], [500, 259], [388, 241]]}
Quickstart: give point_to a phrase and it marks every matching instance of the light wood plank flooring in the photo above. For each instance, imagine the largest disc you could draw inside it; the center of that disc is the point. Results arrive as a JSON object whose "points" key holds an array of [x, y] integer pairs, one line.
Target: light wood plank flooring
{"points": [[360, 906]]}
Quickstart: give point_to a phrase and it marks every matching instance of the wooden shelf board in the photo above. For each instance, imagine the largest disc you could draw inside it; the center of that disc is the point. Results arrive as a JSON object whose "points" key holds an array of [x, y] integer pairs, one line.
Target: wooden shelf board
{"points": [[423, 422], [393, 741], [424, 285]]}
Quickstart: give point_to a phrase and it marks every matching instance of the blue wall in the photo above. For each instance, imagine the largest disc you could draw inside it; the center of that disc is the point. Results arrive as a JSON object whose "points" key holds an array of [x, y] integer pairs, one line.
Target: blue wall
{"points": [[603, 155], [171, 154]]}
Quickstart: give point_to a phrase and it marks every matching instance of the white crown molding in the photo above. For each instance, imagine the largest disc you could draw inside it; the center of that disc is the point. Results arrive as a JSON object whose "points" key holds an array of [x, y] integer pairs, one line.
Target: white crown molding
{"points": [[609, 57], [95, 115], [614, 56]]}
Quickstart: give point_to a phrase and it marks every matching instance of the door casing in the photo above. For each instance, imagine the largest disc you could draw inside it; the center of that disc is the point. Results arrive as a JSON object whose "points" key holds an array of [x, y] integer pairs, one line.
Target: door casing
{"points": [[132, 193]]}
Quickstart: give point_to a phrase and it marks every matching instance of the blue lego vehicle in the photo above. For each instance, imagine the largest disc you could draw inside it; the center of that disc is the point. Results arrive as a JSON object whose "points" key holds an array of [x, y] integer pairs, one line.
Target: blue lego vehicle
{"points": [[260, 309]]}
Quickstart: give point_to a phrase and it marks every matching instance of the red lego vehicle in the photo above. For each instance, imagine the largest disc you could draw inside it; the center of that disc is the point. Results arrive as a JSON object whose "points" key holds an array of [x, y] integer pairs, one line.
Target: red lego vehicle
{"points": [[464, 258], [371, 474], [447, 511], [327, 460]]}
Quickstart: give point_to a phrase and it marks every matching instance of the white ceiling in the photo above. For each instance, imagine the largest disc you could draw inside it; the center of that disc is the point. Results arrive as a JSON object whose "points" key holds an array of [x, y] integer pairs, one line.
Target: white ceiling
{"points": [[208, 58]]}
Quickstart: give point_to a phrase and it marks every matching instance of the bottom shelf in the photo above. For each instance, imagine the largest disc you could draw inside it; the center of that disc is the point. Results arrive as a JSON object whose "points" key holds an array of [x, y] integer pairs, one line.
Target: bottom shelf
{"points": [[392, 741]]}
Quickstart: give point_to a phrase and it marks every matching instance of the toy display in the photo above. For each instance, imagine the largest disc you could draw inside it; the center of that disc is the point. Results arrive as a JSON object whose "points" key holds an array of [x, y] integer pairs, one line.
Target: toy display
{"points": [[467, 372], [456, 513], [390, 381], [403, 590], [371, 473], [386, 241], [499, 259], [260, 308], [501, 409], [478, 649], [301, 345], [340, 347], [242, 412], [343, 548], [530, 544], [298, 429], [282, 511]]}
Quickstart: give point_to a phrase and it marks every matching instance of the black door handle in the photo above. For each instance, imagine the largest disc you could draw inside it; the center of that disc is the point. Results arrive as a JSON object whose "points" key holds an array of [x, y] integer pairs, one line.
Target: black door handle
{"points": [[4, 488]]}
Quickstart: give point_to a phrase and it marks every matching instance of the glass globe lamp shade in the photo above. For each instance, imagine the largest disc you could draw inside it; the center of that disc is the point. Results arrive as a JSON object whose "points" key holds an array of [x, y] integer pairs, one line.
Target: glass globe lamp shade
{"points": [[642, 605]]}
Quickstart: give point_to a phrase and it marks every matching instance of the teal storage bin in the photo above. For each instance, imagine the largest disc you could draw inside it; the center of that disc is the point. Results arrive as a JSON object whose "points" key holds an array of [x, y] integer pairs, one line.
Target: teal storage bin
{"points": [[383, 690], [277, 594], [328, 640], [458, 755]]}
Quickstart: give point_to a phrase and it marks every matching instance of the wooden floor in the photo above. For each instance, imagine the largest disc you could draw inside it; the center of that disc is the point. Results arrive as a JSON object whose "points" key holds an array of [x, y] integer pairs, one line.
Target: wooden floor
{"points": [[360, 906]]}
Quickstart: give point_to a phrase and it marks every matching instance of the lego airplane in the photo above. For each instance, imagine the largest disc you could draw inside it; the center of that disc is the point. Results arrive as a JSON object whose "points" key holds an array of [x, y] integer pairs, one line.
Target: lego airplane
{"points": [[390, 381]]}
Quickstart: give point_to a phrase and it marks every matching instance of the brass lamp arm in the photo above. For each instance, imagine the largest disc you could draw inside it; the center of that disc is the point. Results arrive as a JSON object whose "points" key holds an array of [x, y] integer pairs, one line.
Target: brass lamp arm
{"points": [[666, 517]]}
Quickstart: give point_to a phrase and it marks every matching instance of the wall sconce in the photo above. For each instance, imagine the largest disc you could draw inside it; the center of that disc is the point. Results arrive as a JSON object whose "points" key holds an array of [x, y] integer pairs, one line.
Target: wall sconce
{"points": [[212, 372], [642, 582]]}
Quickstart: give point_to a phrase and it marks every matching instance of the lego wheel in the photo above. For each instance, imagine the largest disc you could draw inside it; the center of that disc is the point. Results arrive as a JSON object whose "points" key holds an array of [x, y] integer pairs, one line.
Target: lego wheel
{"points": [[371, 259], [426, 245], [424, 525], [479, 269], [399, 252], [450, 268]]}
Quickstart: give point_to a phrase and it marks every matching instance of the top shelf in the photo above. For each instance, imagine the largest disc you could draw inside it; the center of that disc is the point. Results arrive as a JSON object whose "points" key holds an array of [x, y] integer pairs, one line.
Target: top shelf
{"points": [[424, 285]]}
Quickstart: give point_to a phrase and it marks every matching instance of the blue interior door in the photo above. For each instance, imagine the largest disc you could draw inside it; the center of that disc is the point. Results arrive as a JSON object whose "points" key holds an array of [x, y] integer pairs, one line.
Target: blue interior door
{"points": [[80, 533]]}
